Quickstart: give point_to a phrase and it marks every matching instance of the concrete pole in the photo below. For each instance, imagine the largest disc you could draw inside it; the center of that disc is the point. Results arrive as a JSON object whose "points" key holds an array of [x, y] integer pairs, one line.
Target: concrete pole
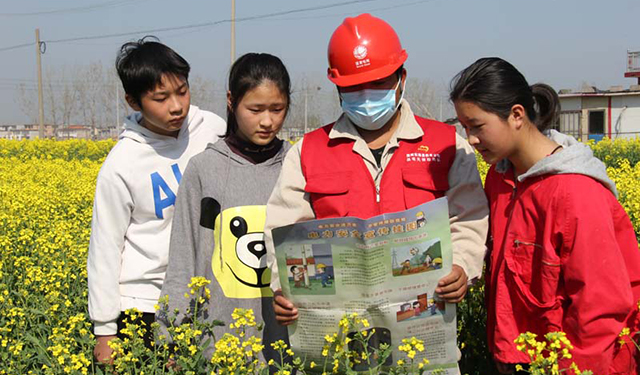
{"points": [[40, 102], [306, 92]]}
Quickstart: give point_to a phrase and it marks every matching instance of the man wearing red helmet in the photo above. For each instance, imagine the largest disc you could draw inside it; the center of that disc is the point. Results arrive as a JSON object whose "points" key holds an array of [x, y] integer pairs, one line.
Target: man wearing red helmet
{"points": [[379, 157]]}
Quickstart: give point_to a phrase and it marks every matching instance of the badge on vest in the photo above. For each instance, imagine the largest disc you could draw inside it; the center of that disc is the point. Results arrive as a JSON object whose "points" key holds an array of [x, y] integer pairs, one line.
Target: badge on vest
{"points": [[423, 156]]}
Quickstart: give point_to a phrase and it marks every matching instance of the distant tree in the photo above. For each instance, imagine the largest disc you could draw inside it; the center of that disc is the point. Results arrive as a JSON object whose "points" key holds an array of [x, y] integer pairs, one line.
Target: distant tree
{"points": [[208, 94], [322, 104], [422, 97], [27, 101], [93, 95]]}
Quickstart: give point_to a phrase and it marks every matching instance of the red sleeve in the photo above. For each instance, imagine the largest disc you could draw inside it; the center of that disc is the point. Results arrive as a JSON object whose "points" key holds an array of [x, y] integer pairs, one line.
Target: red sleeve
{"points": [[596, 282]]}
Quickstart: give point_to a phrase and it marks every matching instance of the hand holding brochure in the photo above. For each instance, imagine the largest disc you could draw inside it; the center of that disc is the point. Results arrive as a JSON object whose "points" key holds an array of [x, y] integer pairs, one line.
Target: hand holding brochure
{"points": [[385, 268]]}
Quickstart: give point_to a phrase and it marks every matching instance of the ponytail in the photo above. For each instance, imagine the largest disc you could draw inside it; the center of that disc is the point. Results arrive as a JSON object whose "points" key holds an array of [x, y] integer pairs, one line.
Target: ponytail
{"points": [[547, 105], [495, 85]]}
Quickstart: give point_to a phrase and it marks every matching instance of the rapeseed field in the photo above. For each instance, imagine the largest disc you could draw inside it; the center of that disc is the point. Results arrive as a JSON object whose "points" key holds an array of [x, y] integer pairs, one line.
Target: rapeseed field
{"points": [[46, 196]]}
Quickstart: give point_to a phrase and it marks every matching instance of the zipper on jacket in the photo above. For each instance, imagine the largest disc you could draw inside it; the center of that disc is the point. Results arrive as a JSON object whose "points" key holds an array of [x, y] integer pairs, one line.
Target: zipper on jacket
{"points": [[376, 182], [518, 243]]}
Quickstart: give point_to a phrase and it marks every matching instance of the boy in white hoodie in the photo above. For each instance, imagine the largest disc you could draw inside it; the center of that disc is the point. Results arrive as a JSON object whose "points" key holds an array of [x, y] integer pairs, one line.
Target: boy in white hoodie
{"points": [[137, 186]]}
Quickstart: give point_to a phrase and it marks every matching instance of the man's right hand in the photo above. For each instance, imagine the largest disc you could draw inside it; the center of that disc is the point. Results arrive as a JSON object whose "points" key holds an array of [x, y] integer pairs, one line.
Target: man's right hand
{"points": [[102, 351], [286, 313]]}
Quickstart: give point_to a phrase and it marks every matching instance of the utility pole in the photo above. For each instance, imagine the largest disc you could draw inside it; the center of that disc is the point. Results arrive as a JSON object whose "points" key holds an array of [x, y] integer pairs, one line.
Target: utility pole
{"points": [[40, 105], [233, 31], [306, 92]]}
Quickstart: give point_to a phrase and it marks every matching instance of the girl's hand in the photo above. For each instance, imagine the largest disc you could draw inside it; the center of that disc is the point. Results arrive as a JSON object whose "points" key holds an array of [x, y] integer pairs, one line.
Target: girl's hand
{"points": [[453, 287], [102, 351], [286, 313]]}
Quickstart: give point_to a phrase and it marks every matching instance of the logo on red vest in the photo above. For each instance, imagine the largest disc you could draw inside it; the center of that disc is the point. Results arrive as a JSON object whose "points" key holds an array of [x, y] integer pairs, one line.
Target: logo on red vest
{"points": [[424, 156]]}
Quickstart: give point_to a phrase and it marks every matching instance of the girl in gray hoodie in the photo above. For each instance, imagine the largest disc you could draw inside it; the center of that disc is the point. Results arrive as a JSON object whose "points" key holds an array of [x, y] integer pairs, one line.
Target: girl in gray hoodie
{"points": [[220, 212]]}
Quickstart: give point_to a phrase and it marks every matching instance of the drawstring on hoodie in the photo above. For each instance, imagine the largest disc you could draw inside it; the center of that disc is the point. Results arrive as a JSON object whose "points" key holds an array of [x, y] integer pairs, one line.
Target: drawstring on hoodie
{"points": [[554, 150]]}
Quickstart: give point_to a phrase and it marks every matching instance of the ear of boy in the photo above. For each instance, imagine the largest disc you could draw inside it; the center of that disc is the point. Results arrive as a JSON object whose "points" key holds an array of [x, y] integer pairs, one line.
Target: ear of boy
{"points": [[133, 103]]}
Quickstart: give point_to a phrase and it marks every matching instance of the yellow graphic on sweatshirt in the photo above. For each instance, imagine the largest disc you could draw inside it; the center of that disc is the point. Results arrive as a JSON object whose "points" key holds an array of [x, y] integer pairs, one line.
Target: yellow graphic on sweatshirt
{"points": [[240, 257]]}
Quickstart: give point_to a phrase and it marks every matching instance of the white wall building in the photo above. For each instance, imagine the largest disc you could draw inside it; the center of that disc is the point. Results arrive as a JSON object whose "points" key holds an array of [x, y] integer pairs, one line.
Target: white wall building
{"points": [[593, 114], [25, 131], [31, 131]]}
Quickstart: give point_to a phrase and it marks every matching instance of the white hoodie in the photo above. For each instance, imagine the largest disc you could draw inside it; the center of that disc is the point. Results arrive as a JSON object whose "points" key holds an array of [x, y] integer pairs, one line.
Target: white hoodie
{"points": [[132, 213]]}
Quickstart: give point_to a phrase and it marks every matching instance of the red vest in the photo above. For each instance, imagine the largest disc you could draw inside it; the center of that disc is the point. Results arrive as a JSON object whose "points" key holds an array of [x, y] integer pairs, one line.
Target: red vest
{"points": [[339, 183]]}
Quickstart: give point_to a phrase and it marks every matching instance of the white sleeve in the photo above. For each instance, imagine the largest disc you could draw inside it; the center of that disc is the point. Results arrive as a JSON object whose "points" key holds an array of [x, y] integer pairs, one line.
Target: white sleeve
{"points": [[468, 211], [288, 204], [112, 207]]}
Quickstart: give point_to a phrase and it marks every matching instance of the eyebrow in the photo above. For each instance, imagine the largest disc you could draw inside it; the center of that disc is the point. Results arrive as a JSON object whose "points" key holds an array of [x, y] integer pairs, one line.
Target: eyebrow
{"points": [[166, 92], [260, 104]]}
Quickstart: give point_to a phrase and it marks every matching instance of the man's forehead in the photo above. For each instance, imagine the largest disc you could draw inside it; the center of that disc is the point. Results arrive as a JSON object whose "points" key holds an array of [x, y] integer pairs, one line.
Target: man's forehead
{"points": [[389, 79]]}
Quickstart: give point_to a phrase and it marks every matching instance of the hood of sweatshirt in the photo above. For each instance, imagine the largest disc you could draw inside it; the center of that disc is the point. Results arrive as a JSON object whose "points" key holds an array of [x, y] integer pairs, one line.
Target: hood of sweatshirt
{"points": [[232, 165], [138, 133], [223, 148], [575, 158]]}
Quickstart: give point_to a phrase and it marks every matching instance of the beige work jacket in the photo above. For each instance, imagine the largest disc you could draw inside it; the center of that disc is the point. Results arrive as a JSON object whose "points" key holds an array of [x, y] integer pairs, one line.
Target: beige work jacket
{"points": [[468, 208]]}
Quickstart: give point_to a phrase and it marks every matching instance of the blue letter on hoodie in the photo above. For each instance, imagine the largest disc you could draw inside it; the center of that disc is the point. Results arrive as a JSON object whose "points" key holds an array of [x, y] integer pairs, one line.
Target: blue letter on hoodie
{"points": [[158, 183]]}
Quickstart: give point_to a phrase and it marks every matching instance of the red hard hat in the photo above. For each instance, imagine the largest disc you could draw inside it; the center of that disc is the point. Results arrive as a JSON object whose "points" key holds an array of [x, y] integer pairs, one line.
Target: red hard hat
{"points": [[363, 49]]}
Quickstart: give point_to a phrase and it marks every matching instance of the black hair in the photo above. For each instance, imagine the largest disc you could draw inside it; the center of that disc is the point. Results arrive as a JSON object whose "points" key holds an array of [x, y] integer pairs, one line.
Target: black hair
{"points": [[496, 86], [142, 64], [399, 71], [249, 72]]}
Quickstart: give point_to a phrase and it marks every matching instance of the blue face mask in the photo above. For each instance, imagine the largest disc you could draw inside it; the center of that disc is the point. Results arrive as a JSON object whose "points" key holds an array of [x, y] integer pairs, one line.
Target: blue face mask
{"points": [[370, 109]]}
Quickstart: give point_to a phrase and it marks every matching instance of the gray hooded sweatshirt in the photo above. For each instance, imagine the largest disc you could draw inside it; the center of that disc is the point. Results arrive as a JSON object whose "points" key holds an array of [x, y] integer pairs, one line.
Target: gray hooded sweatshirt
{"points": [[575, 158], [218, 233]]}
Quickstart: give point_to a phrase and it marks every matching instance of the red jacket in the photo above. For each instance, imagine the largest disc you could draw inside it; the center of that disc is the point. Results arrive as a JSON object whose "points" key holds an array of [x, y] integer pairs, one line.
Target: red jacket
{"points": [[339, 183], [563, 256]]}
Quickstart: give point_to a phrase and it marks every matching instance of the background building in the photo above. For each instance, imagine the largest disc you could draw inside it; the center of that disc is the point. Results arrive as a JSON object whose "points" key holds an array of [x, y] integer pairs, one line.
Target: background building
{"points": [[592, 114], [30, 131]]}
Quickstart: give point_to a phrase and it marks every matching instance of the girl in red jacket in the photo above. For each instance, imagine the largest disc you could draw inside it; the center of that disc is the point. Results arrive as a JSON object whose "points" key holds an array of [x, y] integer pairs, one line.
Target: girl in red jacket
{"points": [[563, 255]]}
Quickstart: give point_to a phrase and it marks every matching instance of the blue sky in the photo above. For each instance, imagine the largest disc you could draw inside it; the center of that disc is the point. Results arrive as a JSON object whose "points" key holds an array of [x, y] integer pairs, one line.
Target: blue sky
{"points": [[563, 43]]}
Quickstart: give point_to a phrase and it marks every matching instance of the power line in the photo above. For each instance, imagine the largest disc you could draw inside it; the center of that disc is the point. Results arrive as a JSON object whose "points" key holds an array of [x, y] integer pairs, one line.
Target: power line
{"points": [[87, 8], [16, 46], [392, 7], [214, 23], [199, 25]]}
